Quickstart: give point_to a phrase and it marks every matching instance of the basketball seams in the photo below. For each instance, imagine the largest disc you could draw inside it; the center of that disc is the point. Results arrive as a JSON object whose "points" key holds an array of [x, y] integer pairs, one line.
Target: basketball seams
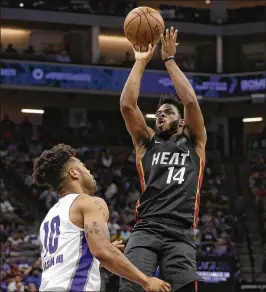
{"points": [[138, 31], [125, 29], [156, 20], [148, 24]]}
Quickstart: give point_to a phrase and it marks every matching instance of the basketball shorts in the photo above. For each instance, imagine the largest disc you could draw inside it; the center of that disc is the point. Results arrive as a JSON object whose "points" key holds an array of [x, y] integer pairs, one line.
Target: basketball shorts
{"points": [[166, 247]]}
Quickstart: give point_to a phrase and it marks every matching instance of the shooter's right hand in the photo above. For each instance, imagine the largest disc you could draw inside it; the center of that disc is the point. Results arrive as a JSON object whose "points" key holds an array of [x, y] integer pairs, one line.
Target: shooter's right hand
{"points": [[144, 56]]}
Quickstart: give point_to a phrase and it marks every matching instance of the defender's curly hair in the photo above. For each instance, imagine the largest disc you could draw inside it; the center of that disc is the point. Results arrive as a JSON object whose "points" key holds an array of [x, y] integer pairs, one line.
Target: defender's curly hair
{"points": [[171, 99], [47, 169]]}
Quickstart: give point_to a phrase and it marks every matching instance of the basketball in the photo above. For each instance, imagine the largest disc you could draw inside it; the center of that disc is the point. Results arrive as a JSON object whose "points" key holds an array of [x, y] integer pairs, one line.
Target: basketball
{"points": [[143, 26]]}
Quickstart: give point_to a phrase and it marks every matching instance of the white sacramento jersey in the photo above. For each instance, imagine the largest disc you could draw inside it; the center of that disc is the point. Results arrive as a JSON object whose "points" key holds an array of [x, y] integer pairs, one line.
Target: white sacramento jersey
{"points": [[67, 262]]}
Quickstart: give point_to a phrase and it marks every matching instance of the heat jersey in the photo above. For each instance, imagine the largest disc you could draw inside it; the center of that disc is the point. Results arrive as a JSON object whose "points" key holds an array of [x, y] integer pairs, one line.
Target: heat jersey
{"points": [[67, 262], [170, 174]]}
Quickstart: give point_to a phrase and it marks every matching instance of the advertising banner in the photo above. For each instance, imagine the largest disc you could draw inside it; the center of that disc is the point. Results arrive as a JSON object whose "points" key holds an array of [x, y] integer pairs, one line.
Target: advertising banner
{"points": [[112, 80]]}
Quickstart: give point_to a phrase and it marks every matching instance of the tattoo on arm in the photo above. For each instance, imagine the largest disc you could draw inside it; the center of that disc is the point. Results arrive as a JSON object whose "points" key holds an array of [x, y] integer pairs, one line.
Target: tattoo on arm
{"points": [[101, 208], [97, 229]]}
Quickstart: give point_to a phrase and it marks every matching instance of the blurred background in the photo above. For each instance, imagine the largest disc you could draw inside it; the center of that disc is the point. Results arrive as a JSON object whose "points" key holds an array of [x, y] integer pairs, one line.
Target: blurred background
{"points": [[63, 66]]}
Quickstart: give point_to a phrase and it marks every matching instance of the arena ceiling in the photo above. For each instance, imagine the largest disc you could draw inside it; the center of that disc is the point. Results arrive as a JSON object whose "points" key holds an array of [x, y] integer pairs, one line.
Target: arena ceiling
{"points": [[231, 4]]}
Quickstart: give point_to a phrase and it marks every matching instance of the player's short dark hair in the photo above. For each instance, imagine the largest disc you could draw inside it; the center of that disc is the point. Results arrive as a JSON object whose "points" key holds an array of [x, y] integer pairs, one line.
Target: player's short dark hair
{"points": [[171, 99], [47, 168]]}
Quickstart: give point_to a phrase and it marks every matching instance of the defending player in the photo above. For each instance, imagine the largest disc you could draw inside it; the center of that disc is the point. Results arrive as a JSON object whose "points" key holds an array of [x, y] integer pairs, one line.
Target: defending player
{"points": [[170, 163], [74, 233]]}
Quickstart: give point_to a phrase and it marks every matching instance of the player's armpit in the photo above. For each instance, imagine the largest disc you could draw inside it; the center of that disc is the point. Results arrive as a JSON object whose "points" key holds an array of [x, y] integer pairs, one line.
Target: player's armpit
{"points": [[136, 125], [195, 126]]}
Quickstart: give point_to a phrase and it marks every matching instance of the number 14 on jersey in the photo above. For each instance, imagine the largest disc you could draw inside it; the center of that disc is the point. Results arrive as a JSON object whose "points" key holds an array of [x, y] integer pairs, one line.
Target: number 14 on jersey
{"points": [[178, 176]]}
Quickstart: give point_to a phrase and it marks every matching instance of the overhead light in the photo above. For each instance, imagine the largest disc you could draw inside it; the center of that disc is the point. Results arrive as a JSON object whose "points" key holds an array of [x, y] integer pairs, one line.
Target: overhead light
{"points": [[208, 1], [150, 116], [21, 5], [252, 120], [32, 111], [10, 33]]}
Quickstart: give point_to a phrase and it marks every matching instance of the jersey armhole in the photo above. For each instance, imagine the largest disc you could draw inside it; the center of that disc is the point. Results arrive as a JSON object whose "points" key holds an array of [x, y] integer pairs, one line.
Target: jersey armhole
{"points": [[69, 220]]}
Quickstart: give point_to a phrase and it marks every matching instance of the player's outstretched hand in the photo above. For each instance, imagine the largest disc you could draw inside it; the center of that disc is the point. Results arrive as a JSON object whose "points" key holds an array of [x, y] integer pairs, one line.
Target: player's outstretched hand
{"points": [[143, 54], [155, 284], [169, 43], [119, 244]]}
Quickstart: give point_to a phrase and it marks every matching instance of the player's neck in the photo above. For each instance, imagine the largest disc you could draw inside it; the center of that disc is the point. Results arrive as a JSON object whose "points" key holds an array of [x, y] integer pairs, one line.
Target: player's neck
{"points": [[170, 137], [175, 136], [70, 189]]}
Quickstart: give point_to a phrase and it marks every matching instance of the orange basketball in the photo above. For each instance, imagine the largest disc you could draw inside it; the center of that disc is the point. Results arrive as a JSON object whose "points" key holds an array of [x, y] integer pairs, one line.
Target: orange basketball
{"points": [[143, 26]]}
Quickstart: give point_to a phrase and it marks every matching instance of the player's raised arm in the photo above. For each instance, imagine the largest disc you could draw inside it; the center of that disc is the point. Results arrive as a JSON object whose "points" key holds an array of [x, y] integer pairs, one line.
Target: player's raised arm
{"points": [[192, 114], [95, 213], [131, 113]]}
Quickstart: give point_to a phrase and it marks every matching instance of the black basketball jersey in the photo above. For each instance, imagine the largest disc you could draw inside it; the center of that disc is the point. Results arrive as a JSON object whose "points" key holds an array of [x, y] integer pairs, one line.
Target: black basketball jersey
{"points": [[170, 174]]}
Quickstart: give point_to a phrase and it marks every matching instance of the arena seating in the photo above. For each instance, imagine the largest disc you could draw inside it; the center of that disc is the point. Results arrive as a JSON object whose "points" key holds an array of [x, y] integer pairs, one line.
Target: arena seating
{"points": [[114, 170], [121, 8], [257, 183]]}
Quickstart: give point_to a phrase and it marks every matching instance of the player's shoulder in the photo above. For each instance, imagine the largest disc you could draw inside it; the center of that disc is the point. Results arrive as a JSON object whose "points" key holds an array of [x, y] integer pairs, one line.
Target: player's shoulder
{"points": [[90, 202]]}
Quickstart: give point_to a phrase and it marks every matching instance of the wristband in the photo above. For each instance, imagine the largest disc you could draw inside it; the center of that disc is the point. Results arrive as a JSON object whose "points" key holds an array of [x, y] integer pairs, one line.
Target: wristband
{"points": [[168, 58]]}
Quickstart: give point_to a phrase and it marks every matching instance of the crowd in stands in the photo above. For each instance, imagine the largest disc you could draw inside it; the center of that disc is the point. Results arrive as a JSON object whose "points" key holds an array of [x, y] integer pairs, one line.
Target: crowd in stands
{"points": [[121, 8], [257, 140], [187, 62], [52, 54], [49, 54], [23, 205], [257, 183]]}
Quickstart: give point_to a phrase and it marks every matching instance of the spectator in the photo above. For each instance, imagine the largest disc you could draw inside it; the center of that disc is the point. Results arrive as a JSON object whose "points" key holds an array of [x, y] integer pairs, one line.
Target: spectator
{"points": [[26, 128], [22, 264], [7, 127], [110, 191], [15, 239], [117, 236], [30, 50], [49, 196], [107, 158], [34, 277], [63, 57], [28, 180], [16, 285], [10, 49], [32, 287], [113, 226], [6, 206], [125, 232], [208, 239], [33, 238]]}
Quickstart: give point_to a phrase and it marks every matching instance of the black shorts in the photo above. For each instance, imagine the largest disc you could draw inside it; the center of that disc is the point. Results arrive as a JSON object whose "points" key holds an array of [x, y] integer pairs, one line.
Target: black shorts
{"points": [[169, 248]]}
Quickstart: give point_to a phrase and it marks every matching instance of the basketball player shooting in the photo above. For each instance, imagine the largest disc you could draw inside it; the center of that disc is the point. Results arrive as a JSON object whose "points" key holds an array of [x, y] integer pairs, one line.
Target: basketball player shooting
{"points": [[74, 233], [170, 162]]}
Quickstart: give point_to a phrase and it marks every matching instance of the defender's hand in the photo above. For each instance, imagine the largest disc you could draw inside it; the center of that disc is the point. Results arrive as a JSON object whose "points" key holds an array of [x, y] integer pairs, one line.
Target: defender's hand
{"points": [[155, 285], [169, 43], [146, 56], [119, 244]]}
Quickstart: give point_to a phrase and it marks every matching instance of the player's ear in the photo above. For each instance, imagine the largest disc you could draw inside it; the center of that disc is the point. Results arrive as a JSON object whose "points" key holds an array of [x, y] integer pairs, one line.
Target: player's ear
{"points": [[181, 123], [73, 174]]}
